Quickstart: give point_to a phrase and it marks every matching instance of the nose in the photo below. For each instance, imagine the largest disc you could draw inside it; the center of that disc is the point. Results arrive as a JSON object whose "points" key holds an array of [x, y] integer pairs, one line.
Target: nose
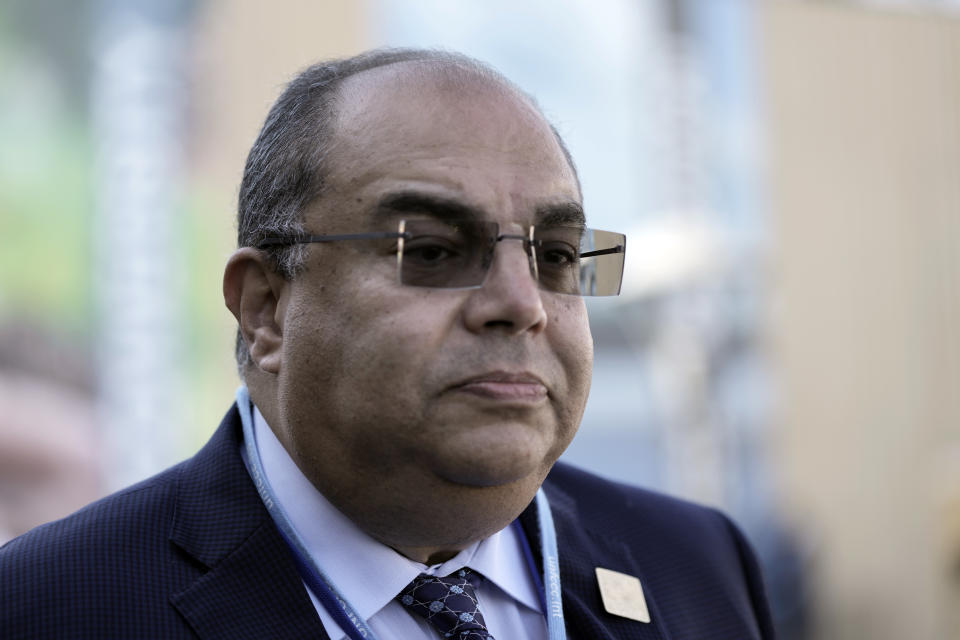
{"points": [[510, 299]]}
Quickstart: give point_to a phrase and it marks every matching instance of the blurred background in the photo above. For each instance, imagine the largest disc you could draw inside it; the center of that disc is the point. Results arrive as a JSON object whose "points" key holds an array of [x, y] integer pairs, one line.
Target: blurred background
{"points": [[786, 346]]}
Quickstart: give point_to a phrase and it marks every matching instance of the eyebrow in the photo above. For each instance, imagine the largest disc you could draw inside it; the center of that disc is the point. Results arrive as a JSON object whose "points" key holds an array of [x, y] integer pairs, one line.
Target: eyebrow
{"points": [[564, 213], [446, 208]]}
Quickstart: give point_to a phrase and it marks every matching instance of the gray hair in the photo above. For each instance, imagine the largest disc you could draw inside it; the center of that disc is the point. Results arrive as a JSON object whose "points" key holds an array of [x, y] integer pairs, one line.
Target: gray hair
{"points": [[286, 168]]}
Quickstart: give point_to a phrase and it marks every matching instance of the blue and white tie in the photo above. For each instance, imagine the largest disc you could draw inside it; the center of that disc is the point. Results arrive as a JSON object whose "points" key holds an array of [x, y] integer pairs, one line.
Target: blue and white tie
{"points": [[449, 604]]}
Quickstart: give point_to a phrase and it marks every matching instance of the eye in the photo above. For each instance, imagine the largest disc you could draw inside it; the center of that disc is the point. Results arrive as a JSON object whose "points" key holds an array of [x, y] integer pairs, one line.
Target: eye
{"points": [[558, 254], [429, 251]]}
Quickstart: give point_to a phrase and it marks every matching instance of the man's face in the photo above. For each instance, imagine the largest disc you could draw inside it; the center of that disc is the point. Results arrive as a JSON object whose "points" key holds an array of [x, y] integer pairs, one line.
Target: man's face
{"points": [[391, 388]]}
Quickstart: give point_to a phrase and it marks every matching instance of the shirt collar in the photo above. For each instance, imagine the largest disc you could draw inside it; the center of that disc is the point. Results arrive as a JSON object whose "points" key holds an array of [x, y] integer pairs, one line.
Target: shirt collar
{"points": [[367, 573]]}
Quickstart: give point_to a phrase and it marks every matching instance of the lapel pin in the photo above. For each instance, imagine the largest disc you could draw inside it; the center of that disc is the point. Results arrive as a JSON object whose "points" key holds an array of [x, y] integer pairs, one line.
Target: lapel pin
{"points": [[622, 595]]}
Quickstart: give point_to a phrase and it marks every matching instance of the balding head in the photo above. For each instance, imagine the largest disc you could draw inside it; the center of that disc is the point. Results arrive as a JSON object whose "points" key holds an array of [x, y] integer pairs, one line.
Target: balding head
{"points": [[288, 163]]}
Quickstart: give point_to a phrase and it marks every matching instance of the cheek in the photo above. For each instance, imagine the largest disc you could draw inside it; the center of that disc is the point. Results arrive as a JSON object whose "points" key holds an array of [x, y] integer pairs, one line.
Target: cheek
{"points": [[366, 352], [570, 330], [573, 346]]}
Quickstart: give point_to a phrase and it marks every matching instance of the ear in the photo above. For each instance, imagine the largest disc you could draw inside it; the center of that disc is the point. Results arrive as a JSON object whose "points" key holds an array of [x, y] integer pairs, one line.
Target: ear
{"points": [[253, 292]]}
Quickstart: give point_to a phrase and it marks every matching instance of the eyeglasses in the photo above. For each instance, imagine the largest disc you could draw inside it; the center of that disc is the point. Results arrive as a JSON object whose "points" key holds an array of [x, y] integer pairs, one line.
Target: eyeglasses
{"points": [[457, 254]]}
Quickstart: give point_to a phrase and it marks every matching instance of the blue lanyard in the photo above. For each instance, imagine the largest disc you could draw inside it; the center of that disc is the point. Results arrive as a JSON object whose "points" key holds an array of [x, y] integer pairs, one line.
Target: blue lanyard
{"points": [[336, 605]]}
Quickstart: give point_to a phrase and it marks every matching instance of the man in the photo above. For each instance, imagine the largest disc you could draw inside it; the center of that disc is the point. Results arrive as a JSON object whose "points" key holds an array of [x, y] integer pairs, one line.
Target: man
{"points": [[416, 355]]}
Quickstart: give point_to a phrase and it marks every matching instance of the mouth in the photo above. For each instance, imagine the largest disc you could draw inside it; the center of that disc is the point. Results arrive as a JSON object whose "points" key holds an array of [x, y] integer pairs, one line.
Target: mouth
{"points": [[504, 386]]}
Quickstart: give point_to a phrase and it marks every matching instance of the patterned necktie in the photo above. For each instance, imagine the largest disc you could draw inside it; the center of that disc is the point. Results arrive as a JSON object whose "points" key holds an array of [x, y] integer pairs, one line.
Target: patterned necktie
{"points": [[449, 604]]}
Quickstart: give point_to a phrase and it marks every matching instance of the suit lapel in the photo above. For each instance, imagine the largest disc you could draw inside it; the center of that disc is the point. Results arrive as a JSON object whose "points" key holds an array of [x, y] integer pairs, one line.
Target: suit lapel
{"points": [[252, 588], [253, 593], [581, 551]]}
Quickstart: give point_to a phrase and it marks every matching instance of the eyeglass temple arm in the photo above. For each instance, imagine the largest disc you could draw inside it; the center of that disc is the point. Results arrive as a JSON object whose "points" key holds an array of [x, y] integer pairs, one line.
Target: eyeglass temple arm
{"points": [[602, 252]]}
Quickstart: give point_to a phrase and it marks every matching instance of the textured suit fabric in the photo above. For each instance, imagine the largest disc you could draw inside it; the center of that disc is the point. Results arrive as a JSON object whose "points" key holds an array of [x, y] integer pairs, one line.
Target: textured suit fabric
{"points": [[699, 575], [192, 553]]}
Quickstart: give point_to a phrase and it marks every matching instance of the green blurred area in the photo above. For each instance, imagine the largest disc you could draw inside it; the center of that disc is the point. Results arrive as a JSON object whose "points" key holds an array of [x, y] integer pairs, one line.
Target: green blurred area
{"points": [[47, 211], [45, 169], [46, 203]]}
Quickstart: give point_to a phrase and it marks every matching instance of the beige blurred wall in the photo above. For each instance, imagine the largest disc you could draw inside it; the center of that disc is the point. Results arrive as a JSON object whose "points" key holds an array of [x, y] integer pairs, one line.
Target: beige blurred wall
{"points": [[864, 122], [245, 52]]}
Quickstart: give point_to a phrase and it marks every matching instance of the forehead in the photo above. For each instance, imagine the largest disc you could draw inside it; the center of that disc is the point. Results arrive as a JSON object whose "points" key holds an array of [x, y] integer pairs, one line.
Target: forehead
{"points": [[452, 134]]}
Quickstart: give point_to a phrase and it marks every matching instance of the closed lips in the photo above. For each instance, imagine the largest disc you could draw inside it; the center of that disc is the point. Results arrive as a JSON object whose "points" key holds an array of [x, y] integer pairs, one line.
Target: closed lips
{"points": [[507, 386]]}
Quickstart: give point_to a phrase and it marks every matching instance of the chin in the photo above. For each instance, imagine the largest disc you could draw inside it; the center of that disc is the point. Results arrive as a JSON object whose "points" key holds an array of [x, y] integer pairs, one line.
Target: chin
{"points": [[509, 466], [484, 477], [494, 453]]}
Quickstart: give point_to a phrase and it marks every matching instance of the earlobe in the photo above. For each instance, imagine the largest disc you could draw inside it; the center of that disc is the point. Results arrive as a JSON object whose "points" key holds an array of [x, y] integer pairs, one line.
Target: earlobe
{"points": [[253, 291]]}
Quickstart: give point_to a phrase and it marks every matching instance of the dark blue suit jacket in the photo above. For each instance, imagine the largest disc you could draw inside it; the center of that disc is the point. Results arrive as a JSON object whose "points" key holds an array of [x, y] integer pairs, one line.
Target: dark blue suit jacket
{"points": [[192, 552]]}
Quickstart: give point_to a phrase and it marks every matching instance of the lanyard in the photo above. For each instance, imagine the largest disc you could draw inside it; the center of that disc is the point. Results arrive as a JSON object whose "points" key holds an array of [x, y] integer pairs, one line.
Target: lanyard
{"points": [[336, 605]]}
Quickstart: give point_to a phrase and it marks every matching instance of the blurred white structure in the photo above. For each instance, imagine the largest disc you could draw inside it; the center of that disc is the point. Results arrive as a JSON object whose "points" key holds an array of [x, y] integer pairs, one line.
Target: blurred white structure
{"points": [[138, 101]]}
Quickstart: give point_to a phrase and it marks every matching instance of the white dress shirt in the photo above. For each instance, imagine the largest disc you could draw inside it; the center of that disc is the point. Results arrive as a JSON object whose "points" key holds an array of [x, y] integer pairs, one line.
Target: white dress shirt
{"points": [[369, 574]]}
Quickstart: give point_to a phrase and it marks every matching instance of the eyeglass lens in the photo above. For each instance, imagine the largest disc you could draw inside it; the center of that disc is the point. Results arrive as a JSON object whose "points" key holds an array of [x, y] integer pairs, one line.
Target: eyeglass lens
{"points": [[458, 254]]}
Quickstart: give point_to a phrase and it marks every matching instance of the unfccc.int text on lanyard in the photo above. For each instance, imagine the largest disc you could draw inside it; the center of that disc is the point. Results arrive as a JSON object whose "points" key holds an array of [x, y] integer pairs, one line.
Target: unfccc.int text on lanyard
{"points": [[336, 605]]}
